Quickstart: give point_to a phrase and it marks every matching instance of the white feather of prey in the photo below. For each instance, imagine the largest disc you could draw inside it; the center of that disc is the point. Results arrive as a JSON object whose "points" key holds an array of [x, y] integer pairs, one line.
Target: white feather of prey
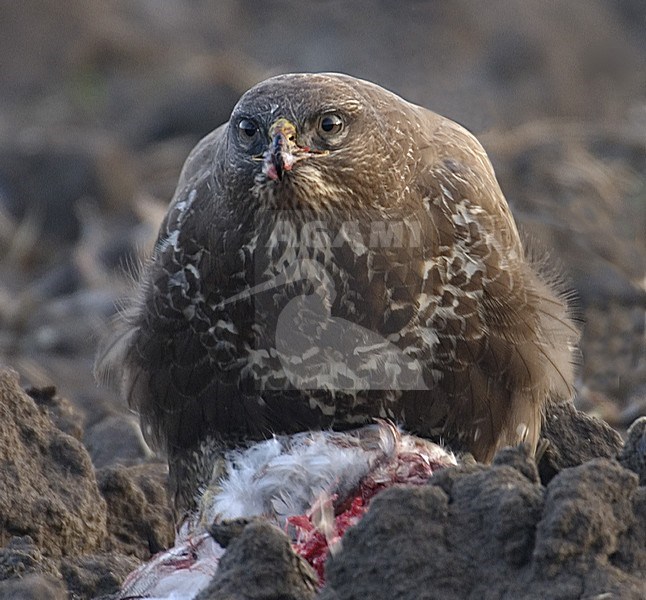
{"points": [[284, 476], [305, 474]]}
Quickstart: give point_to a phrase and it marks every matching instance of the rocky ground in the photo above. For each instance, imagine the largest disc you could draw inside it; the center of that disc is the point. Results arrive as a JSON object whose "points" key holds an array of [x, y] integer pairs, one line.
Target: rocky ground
{"points": [[572, 526], [100, 104]]}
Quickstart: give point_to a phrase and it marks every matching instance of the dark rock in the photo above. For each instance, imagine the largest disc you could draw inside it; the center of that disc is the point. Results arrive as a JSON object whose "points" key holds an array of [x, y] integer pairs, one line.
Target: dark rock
{"points": [[33, 587], [139, 521], [587, 510], [572, 438], [636, 407], [261, 564], [519, 459], [226, 531], [495, 534], [96, 575], [49, 489], [633, 454]]}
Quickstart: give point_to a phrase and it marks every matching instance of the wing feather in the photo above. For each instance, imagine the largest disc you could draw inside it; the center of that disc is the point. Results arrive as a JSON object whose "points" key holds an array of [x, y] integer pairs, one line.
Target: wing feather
{"points": [[503, 337]]}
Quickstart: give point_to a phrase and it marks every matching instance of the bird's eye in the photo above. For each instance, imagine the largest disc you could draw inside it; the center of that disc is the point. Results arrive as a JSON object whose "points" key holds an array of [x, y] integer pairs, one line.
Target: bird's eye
{"points": [[330, 124], [247, 128]]}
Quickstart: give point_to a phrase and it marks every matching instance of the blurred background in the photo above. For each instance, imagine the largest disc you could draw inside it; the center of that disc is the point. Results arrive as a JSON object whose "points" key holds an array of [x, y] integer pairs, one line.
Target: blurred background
{"points": [[100, 103]]}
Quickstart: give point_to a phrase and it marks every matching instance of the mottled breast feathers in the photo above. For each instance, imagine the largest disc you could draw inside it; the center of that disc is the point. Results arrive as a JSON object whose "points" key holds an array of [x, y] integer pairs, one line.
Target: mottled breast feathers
{"points": [[378, 259]]}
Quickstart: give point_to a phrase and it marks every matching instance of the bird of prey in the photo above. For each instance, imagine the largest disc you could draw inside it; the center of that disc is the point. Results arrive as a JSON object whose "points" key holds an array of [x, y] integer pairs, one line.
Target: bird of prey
{"points": [[334, 254]]}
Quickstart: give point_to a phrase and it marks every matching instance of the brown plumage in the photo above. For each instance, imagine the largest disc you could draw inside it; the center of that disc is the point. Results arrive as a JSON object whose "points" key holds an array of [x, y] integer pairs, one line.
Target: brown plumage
{"points": [[416, 302]]}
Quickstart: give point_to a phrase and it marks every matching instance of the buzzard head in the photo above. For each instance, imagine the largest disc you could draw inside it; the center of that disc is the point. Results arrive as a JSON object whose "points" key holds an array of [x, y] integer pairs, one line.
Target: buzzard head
{"points": [[303, 140]]}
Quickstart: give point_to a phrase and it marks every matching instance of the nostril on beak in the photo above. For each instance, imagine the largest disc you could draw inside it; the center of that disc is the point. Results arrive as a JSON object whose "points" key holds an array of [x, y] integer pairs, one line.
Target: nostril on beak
{"points": [[283, 151]]}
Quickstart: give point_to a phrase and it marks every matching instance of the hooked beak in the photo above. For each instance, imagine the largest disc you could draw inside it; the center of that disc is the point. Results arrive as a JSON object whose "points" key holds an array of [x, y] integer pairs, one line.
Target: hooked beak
{"points": [[283, 151], [281, 154]]}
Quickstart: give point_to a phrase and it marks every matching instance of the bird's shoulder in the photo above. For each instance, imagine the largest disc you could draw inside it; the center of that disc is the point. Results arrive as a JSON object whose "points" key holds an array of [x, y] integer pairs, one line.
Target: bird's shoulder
{"points": [[199, 183], [456, 180]]}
